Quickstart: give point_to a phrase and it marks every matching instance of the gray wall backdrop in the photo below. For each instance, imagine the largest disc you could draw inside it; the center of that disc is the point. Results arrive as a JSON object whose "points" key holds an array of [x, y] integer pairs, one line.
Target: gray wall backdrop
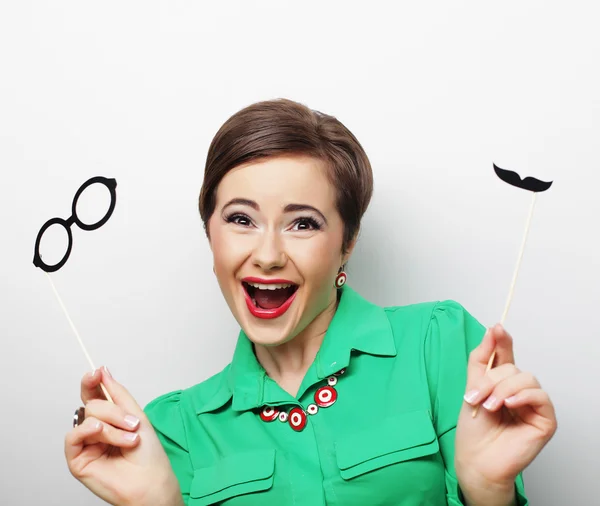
{"points": [[435, 91]]}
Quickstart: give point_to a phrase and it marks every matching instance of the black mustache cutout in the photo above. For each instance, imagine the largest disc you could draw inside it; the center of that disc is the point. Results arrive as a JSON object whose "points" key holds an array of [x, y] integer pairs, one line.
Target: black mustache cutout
{"points": [[529, 183]]}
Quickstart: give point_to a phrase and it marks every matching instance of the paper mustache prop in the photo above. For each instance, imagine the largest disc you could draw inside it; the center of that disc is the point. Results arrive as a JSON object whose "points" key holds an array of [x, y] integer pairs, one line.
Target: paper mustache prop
{"points": [[529, 183], [111, 185], [535, 186]]}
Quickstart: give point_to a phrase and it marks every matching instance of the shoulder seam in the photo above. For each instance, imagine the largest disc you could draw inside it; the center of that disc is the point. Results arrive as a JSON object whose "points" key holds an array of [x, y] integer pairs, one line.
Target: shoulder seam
{"points": [[425, 340], [185, 430], [393, 309]]}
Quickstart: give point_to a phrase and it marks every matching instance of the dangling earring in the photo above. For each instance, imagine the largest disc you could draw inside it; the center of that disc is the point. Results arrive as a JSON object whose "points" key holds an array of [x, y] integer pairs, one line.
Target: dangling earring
{"points": [[340, 279]]}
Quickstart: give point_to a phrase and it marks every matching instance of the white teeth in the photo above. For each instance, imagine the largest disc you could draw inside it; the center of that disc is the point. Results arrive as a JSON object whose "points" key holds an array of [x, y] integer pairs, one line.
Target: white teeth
{"points": [[272, 286]]}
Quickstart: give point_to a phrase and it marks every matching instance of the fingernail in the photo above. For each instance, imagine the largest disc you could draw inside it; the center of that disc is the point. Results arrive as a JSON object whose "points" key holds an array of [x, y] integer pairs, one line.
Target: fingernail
{"points": [[130, 436], [107, 372], [510, 400], [93, 373], [97, 425], [490, 403], [132, 421], [471, 396]]}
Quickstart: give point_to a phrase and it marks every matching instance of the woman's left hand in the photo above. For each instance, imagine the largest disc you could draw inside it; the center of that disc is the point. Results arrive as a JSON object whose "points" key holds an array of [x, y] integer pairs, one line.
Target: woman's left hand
{"points": [[514, 422]]}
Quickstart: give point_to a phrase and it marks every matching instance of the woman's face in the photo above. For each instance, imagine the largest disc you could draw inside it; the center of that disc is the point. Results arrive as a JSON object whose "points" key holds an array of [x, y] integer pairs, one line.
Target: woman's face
{"points": [[276, 238]]}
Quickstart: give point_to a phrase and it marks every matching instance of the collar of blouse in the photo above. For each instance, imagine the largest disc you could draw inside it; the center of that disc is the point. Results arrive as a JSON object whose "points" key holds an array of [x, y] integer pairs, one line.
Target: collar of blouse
{"points": [[357, 325]]}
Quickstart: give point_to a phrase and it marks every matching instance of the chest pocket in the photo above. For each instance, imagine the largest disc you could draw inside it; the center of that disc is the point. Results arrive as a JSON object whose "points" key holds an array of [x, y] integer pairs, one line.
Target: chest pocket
{"points": [[397, 439], [233, 477]]}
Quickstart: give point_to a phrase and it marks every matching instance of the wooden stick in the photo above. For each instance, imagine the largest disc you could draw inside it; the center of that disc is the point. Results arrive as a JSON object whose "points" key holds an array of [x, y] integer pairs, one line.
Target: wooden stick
{"points": [[512, 285], [87, 355]]}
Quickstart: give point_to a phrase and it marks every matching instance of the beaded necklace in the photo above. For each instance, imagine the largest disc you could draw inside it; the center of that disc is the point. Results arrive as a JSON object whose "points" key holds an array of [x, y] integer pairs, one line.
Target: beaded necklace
{"points": [[297, 417]]}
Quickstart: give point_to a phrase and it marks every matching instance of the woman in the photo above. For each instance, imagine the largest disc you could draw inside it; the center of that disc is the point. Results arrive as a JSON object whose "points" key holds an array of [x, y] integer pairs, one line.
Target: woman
{"points": [[328, 399]]}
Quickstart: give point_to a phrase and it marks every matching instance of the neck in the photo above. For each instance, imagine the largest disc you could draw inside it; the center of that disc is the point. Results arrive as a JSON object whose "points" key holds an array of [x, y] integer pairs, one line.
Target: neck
{"points": [[288, 362]]}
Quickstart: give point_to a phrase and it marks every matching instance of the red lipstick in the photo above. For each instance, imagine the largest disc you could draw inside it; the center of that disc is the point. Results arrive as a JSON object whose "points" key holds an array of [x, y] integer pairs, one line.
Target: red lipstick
{"points": [[262, 281], [267, 314]]}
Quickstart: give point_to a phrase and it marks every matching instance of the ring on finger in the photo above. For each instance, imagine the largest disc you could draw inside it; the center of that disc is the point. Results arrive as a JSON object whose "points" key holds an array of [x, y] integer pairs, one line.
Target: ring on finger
{"points": [[79, 416]]}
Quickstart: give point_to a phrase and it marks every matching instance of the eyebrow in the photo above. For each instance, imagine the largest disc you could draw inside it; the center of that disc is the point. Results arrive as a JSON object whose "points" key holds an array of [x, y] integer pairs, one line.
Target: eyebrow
{"points": [[290, 208], [243, 202]]}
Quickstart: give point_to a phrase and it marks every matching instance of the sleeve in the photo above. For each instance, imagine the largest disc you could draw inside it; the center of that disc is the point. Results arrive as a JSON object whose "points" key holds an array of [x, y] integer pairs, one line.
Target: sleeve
{"points": [[452, 334], [164, 414]]}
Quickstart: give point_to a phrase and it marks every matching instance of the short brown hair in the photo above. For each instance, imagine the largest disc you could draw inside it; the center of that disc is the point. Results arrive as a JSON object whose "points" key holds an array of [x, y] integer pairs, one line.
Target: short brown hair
{"points": [[284, 127]]}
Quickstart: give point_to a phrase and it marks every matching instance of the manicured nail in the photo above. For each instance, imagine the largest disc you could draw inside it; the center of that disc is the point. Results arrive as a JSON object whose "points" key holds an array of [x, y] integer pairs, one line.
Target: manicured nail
{"points": [[130, 436], [490, 403], [510, 400], [472, 396], [107, 372], [132, 421], [97, 425]]}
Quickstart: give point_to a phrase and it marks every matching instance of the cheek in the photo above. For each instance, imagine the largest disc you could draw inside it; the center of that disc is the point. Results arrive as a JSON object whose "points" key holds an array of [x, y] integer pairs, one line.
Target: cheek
{"points": [[317, 259], [229, 250]]}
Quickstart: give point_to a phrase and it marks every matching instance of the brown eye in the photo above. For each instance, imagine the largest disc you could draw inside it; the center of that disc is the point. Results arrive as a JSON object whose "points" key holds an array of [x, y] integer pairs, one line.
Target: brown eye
{"points": [[306, 224], [239, 219]]}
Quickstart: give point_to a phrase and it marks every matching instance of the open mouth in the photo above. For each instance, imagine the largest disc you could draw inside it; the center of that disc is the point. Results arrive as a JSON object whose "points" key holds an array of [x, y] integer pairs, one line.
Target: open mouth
{"points": [[269, 300], [269, 296]]}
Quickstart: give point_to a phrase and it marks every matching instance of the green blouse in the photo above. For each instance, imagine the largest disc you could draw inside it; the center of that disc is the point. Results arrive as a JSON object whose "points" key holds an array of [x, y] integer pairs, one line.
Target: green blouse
{"points": [[397, 376]]}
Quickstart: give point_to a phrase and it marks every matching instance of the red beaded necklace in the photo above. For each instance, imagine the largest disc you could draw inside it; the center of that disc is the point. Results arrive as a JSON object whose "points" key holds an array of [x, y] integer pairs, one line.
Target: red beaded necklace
{"points": [[297, 417]]}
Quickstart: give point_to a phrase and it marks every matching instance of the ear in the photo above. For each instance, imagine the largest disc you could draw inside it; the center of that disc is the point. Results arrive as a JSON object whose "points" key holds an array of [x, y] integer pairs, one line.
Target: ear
{"points": [[207, 232], [348, 253]]}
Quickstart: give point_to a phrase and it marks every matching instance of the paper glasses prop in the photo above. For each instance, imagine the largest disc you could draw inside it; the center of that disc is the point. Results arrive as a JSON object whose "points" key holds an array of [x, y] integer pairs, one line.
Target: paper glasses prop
{"points": [[111, 185], [535, 186]]}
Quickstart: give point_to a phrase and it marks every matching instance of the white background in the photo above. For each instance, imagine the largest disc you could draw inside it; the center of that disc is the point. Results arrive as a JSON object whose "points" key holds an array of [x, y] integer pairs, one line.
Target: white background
{"points": [[435, 91]]}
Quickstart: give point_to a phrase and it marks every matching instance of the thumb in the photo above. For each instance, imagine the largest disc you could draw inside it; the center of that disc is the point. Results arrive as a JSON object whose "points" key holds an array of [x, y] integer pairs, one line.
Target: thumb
{"points": [[479, 358], [120, 394]]}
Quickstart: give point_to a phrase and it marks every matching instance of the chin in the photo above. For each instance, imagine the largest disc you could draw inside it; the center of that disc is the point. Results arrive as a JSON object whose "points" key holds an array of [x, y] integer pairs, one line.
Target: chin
{"points": [[267, 337], [271, 332]]}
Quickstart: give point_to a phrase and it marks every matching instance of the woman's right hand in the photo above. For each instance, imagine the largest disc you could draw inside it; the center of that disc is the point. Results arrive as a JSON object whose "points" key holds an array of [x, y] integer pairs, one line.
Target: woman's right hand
{"points": [[115, 452]]}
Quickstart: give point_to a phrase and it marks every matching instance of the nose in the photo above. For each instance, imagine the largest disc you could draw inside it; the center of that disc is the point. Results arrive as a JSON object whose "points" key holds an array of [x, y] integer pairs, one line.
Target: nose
{"points": [[269, 253]]}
